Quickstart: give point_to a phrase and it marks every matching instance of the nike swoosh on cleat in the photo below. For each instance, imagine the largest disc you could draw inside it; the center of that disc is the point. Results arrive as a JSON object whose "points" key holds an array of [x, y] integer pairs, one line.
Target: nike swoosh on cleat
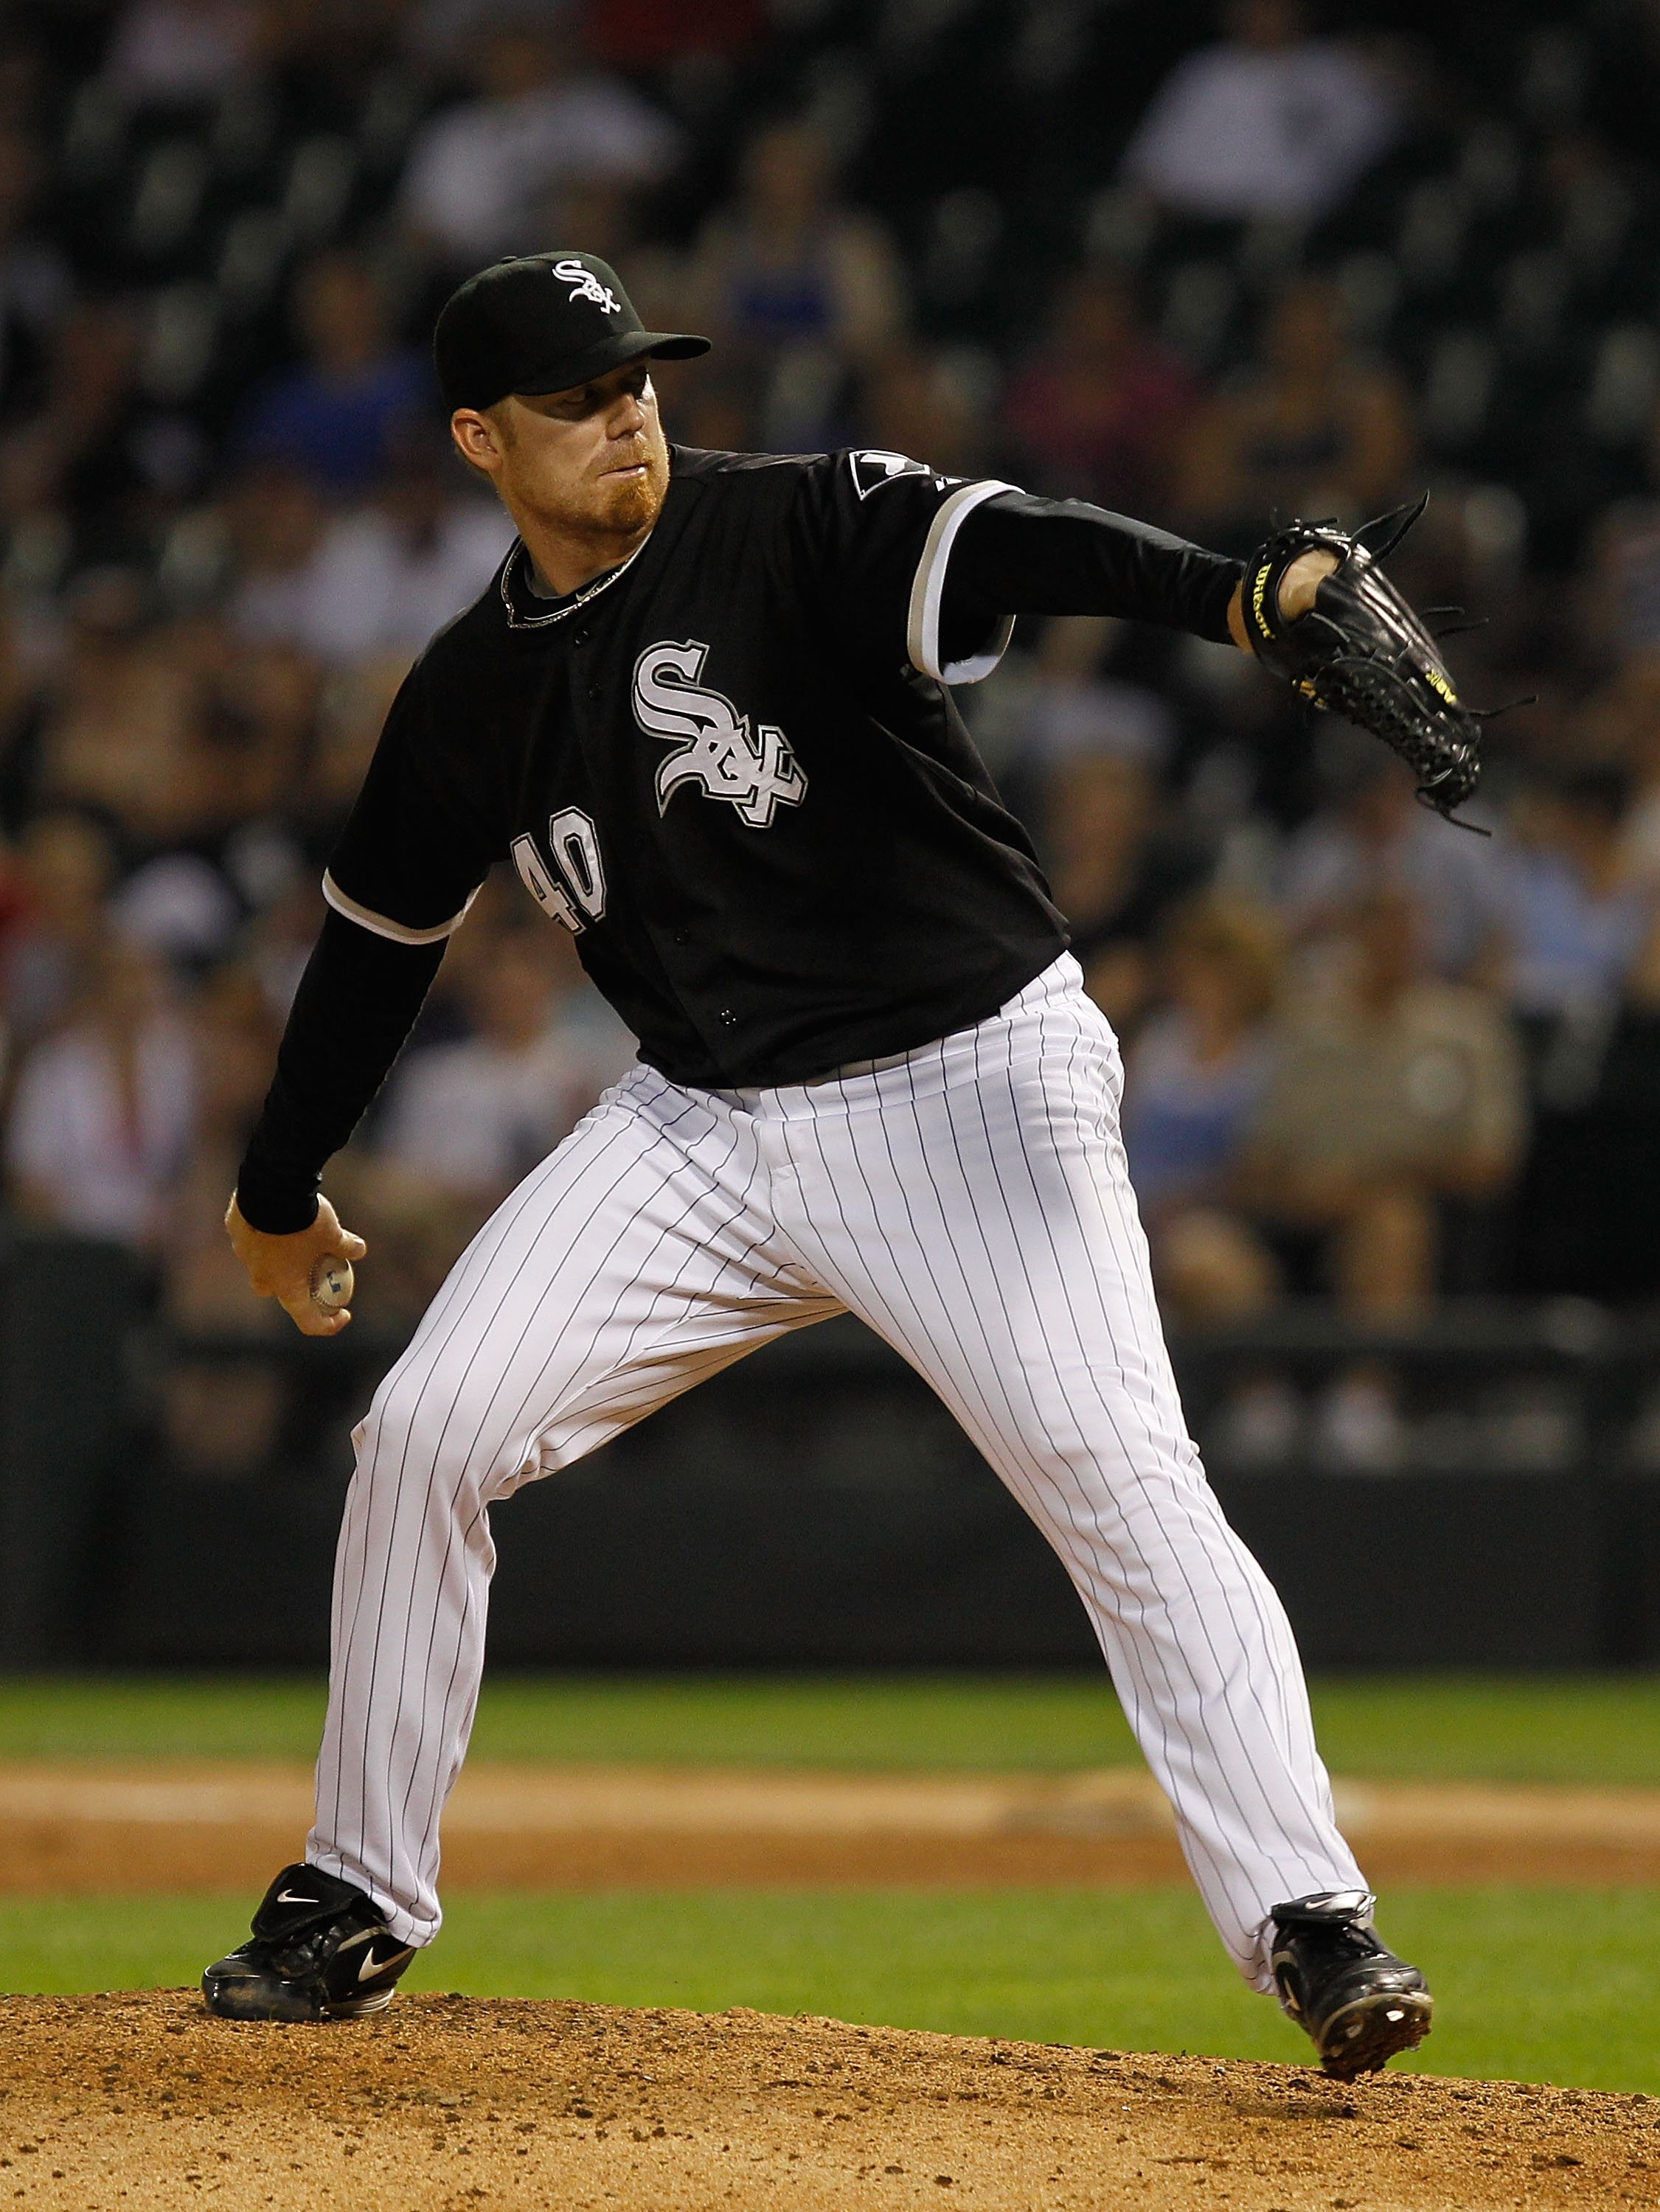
{"points": [[370, 1965], [287, 1897]]}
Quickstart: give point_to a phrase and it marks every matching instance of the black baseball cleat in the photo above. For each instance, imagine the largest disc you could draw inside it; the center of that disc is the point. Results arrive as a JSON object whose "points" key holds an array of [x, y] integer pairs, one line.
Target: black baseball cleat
{"points": [[321, 1950], [1358, 2003]]}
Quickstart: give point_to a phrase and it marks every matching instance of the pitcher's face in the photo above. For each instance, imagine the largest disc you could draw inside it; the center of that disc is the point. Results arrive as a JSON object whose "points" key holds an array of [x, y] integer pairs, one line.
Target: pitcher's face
{"points": [[590, 462]]}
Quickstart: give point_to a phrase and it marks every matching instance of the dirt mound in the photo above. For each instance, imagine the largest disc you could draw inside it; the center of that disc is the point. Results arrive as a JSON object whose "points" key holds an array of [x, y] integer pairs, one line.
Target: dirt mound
{"points": [[117, 2103]]}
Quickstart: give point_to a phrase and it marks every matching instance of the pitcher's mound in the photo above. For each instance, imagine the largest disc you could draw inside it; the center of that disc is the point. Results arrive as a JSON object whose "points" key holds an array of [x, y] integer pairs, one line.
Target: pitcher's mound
{"points": [[116, 2103]]}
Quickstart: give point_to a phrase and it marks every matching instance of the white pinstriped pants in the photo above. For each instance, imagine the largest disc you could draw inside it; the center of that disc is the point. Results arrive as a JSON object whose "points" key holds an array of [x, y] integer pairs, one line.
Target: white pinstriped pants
{"points": [[970, 1203]]}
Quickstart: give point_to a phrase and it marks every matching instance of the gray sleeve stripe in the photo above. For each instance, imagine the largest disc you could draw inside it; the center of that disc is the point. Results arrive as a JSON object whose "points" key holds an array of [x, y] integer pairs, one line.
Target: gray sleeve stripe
{"points": [[928, 589], [381, 926]]}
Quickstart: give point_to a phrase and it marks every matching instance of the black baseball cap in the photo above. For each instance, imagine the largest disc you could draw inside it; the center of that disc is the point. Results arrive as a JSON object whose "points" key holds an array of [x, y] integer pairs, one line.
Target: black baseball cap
{"points": [[542, 322]]}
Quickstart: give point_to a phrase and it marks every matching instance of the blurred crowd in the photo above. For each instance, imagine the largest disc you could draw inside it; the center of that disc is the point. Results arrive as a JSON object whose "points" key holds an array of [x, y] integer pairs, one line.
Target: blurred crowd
{"points": [[1212, 267]]}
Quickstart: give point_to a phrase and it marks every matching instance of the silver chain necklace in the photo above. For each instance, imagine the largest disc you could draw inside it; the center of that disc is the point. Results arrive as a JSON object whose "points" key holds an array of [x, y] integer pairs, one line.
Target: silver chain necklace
{"points": [[578, 600]]}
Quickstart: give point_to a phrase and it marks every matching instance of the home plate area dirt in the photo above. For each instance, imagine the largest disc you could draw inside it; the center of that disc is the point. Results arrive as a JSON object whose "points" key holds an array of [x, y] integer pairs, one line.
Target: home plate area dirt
{"points": [[117, 2103]]}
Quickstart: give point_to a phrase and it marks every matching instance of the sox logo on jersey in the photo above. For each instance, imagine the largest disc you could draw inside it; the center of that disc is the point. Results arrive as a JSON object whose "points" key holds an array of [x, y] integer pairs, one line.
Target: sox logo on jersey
{"points": [[754, 770]]}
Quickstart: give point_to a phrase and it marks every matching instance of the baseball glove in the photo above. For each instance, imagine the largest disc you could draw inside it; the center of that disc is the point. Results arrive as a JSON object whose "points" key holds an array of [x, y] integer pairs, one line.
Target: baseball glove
{"points": [[1360, 652]]}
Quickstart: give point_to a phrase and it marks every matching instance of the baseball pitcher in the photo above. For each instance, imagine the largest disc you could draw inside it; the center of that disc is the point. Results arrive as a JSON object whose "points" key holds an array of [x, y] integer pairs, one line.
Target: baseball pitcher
{"points": [[706, 709]]}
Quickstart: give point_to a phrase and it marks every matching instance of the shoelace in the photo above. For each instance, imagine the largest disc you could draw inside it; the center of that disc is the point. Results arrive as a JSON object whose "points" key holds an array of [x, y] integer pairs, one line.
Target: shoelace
{"points": [[311, 1947], [1344, 1940]]}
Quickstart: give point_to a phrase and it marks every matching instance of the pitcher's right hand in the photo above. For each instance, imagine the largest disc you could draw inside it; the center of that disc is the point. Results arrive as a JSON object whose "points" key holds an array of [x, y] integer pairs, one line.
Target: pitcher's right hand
{"points": [[280, 1268]]}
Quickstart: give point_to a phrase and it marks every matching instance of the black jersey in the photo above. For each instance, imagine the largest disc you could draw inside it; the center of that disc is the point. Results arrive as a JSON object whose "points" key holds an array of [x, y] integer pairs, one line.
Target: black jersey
{"points": [[733, 772], [732, 768]]}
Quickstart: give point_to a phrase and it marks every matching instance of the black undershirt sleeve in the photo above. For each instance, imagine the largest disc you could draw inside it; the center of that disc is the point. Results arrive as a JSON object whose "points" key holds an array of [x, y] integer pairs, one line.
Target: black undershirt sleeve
{"points": [[356, 1003], [1020, 554]]}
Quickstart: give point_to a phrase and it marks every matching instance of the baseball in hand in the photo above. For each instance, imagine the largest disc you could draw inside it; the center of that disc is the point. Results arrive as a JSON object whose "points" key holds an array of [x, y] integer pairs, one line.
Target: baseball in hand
{"points": [[332, 1283]]}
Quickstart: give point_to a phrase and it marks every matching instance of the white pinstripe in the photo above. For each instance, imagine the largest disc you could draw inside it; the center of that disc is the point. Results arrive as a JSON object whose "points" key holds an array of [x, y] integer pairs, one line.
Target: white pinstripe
{"points": [[970, 1203]]}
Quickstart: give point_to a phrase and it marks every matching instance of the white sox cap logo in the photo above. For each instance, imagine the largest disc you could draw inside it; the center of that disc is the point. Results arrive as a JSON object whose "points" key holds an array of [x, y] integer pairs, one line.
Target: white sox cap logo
{"points": [[754, 771], [584, 285]]}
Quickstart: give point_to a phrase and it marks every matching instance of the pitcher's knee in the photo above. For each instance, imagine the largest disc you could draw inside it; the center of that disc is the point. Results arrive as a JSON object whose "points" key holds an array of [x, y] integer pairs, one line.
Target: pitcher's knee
{"points": [[1110, 1463], [424, 1441]]}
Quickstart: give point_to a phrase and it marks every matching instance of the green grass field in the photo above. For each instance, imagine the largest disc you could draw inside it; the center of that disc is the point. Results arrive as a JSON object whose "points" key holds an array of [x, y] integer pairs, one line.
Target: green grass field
{"points": [[1552, 1985], [1589, 1728]]}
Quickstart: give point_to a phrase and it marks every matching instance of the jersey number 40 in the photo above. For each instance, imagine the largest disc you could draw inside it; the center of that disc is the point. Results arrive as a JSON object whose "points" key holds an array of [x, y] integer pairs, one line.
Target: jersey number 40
{"points": [[576, 894]]}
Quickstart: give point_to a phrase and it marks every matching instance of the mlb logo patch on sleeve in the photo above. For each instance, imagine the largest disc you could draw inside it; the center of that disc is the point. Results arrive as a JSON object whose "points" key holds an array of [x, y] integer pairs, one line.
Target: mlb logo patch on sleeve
{"points": [[872, 469]]}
